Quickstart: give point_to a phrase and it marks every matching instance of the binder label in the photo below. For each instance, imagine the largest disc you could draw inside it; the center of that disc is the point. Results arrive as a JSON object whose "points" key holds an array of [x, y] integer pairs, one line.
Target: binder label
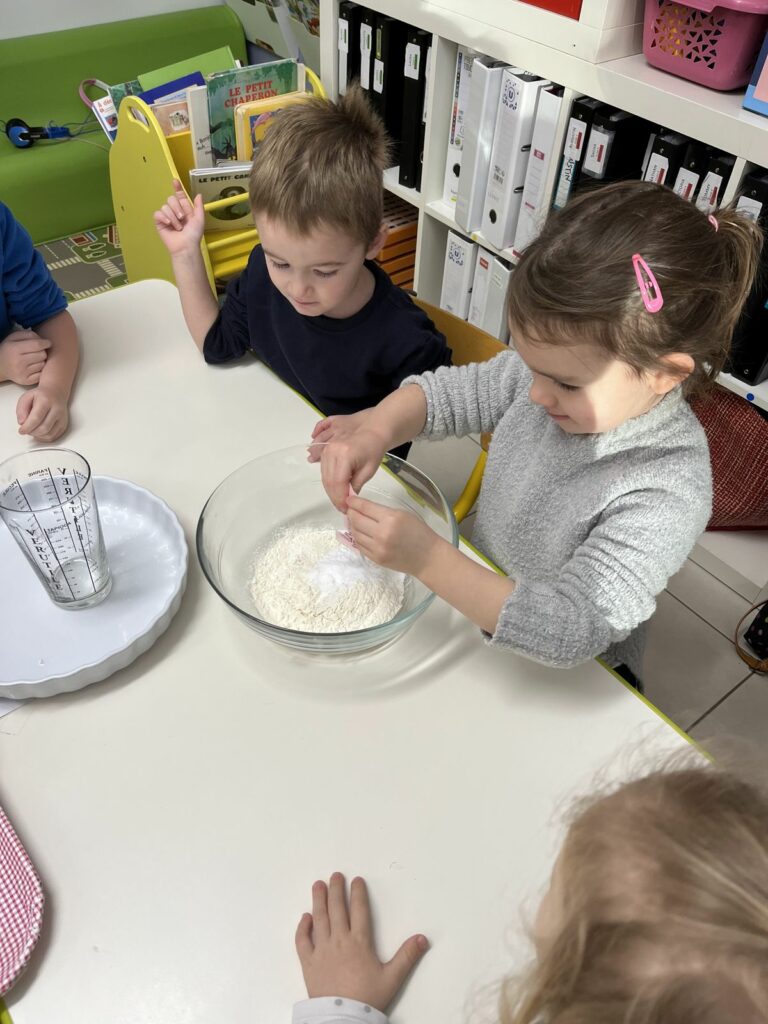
{"points": [[366, 45], [343, 35], [597, 152], [510, 95], [685, 183], [709, 192], [378, 76], [657, 170], [412, 61], [748, 207], [574, 143]]}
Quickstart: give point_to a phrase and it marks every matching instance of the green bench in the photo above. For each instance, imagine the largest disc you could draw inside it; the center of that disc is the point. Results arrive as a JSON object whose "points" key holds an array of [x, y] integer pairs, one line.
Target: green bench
{"points": [[59, 188]]}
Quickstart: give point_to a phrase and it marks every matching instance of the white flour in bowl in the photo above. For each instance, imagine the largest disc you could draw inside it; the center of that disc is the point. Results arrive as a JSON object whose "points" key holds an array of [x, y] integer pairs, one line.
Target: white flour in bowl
{"points": [[305, 579]]}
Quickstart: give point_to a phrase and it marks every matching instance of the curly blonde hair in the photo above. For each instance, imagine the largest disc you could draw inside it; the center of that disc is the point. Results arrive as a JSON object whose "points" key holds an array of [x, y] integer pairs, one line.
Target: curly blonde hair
{"points": [[664, 916], [322, 163], [576, 281]]}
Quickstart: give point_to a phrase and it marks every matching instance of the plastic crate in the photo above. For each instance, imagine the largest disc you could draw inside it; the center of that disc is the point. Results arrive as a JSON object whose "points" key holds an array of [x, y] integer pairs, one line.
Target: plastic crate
{"points": [[712, 43]]}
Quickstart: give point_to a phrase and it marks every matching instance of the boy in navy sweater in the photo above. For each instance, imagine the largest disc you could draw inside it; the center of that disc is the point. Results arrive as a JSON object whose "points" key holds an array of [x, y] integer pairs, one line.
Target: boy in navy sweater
{"points": [[310, 303], [38, 338]]}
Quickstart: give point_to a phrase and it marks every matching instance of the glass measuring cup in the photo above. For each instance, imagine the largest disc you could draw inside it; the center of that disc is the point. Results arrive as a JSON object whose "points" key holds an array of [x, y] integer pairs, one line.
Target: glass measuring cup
{"points": [[48, 503]]}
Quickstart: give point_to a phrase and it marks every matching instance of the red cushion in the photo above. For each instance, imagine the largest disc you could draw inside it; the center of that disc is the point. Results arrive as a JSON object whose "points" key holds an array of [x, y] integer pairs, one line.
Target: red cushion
{"points": [[738, 447]]}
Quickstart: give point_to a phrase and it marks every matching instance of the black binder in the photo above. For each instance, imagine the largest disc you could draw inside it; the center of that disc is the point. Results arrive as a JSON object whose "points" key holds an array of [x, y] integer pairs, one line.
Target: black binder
{"points": [[349, 43], [748, 357], [366, 45], [417, 45], [574, 147], [387, 78], [615, 146], [666, 158]]}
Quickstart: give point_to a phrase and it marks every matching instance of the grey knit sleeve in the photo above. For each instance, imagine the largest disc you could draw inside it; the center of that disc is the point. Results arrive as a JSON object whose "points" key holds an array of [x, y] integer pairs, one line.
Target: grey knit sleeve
{"points": [[470, 399], [611, 583]]}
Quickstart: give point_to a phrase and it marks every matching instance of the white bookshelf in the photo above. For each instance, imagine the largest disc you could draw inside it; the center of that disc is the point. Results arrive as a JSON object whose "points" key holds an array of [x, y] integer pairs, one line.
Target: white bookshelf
{"points": [[597, 56]]}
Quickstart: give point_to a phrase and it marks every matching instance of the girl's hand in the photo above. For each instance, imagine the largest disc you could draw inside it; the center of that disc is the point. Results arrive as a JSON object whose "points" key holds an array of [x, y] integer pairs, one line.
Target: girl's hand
{"points": [[392, 538], [22, 357], [180, 223], [350, 455], [42, 414], [337, 952]]}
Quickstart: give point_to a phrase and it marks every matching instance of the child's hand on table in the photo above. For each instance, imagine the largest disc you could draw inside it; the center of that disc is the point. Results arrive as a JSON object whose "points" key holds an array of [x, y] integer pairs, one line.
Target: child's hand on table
{"points": [[42, 414], [180, 223], [352, 454], [337, 952], [22, 357]]}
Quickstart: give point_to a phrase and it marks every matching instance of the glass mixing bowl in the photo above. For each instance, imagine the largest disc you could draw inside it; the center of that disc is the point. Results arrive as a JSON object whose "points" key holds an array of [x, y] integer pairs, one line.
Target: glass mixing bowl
{"points": [[283, 489]]}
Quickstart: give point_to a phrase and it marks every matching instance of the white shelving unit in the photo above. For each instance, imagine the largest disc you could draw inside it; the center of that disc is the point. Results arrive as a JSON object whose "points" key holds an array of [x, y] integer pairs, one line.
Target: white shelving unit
{"points": [[598, 56]]}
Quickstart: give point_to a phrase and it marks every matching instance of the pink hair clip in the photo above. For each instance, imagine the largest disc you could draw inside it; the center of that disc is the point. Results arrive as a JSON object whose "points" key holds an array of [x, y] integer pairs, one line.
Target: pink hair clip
{"points": [[713, 221], [647, 283]]}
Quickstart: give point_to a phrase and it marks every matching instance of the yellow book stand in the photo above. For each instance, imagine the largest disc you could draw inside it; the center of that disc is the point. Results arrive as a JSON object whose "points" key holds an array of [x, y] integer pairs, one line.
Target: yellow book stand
{"points": [[143, 164]]}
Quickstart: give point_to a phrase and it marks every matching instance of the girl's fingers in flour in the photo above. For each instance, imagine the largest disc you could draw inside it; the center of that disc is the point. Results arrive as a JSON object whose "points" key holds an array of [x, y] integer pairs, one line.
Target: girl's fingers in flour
{"points": [[394, 539]]}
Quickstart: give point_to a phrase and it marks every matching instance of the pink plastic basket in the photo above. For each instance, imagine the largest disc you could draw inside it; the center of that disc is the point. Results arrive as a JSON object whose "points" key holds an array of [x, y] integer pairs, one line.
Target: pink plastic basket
{"points": [[712, 43]]}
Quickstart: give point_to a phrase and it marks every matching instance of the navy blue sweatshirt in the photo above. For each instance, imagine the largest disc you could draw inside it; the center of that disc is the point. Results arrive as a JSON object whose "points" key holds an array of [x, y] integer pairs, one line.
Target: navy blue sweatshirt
{"points": [[340, 365]]}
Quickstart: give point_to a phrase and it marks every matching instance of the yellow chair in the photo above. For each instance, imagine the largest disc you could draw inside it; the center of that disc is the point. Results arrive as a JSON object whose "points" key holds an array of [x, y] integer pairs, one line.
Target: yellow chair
{"points": [[143, 164], [469, 345]]}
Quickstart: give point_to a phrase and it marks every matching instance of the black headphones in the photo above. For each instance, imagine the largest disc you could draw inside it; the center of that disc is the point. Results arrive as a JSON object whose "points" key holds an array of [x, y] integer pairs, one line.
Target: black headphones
{"points": [[23, 135]]}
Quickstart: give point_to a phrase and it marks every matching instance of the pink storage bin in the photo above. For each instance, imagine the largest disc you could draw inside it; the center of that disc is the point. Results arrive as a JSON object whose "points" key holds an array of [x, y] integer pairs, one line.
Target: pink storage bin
{"points": [[712, 42]]}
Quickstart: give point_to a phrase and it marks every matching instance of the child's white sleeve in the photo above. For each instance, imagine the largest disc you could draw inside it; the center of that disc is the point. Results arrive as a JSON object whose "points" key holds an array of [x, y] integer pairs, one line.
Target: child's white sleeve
{"points": [[334, 1010], [470, 399]]}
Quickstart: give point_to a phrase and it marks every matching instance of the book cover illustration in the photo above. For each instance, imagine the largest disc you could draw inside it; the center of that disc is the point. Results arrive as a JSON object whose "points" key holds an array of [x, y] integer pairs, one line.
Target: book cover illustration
{"points": [[172, 117], [228, 89], [254, 118], [756, 97], [214, 183]]}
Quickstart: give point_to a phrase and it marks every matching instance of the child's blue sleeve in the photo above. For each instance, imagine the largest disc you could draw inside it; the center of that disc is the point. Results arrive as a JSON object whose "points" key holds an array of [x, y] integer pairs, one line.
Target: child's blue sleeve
{"points": [[29, 293]]}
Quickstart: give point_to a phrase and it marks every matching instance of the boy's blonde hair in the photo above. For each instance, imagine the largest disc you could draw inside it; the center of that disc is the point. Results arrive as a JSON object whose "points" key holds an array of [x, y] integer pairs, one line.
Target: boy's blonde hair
{"points": [[321, 163], [576, 281], [665, 916]]}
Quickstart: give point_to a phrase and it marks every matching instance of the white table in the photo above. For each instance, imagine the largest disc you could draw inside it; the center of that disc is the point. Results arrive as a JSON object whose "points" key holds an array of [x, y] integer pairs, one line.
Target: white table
{"points": [[179, 811]]}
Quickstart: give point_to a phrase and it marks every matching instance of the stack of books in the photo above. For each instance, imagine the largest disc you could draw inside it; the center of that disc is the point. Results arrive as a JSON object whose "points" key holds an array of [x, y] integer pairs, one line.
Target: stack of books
{"points": [[226, 109]]}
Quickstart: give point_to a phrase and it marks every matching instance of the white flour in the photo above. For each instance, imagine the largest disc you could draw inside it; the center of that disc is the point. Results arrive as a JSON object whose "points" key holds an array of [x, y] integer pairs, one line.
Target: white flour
{"points": [[305, 579]]}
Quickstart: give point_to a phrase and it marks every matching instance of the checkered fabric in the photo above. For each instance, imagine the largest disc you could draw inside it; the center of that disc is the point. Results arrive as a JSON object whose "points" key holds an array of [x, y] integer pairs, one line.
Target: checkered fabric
{"points": [[21, 905], [738, 449]]}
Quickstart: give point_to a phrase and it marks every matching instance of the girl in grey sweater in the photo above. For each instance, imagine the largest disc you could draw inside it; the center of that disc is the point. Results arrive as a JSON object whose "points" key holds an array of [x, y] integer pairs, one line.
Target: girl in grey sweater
{"points": [[598, 477]]}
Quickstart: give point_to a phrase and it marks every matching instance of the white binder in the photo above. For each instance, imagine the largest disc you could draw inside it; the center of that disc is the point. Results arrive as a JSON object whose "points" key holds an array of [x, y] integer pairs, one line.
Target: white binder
{"points": [[464, 61], [512, 137], [457, 275], [482, 105], [534, 204]]}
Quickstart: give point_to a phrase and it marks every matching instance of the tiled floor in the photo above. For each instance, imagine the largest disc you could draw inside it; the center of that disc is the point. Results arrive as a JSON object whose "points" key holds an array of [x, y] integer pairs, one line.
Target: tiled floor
{"points": [[692, 672]]}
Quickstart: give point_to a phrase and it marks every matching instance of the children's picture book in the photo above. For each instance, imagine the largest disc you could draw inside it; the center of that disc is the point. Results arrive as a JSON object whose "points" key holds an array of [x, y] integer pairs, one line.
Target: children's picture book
{"points": [[105, 108], [253, 119], [172, 117], [176, 89], [205, 63], [199, 126], [214, 183], [756, 97], [228, 89]]}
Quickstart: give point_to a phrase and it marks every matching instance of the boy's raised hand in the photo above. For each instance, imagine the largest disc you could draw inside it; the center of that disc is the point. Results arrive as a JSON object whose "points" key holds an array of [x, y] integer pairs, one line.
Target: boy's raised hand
{"points": [[337, 952], [22, 357], [180, 223]]}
